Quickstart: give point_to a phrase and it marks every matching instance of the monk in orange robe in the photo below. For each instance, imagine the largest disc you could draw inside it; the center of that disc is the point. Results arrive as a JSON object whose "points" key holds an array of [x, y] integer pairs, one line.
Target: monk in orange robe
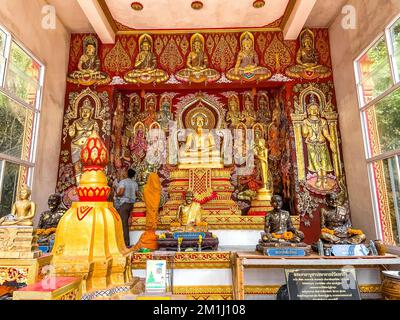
{"points": [[151, 196]]}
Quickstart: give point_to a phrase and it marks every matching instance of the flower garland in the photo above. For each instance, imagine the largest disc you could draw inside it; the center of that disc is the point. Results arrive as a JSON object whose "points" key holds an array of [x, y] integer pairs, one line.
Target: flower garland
{"points": [[286, 236]]}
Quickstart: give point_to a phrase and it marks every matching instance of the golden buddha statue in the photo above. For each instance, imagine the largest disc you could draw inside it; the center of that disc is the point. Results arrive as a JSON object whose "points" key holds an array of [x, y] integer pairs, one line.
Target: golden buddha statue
{"points": [[197, 63], [234, 116], [79, 131], [200, 149], [146, 64], [246, 67], [189, 214], [336, 226], [316, 134], [249, 113], [261, 153], [88, 72], [22, 211], [307, 59]]}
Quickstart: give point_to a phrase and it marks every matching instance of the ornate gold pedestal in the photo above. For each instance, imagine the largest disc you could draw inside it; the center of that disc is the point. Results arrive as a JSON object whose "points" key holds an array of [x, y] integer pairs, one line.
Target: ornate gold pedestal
{"points": [[211, 187], [23, 271], [18, 242], [262, 204], [91, 246]]}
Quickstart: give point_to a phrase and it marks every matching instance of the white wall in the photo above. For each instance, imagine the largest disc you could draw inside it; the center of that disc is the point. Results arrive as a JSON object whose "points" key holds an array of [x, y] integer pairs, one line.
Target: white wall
{"points": [[346, 45], [23, 19]]}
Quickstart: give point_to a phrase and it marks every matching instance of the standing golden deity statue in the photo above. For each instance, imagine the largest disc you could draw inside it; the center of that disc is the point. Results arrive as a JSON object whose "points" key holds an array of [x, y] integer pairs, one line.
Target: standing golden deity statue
{"points": [[246, 67], [189, 213], [249, 114], [80, 131], [146, 64], [88, 72], [316, 134], [234, 115], [197, 63], [307, 59], [200, 149], [22, 211], [164, 116], [336, 226], [261, 153]]}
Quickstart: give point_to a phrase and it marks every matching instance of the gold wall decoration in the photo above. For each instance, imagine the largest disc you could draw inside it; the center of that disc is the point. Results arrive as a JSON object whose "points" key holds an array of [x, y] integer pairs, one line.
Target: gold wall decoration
{"points": [[299, 116], [117, 59], [223, 55], [277, 55], [171, 57]]}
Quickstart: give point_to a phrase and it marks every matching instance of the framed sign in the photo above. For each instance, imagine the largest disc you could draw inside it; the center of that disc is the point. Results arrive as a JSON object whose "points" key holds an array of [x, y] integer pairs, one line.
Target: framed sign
{"points": [[326, 284], [156, 275]]}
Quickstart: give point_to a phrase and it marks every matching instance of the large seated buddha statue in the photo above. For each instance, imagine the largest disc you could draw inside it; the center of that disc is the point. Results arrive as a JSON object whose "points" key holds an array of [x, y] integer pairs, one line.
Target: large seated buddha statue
{"points": [[200, 149], [197, 69], [307, 59], [145, 70]]}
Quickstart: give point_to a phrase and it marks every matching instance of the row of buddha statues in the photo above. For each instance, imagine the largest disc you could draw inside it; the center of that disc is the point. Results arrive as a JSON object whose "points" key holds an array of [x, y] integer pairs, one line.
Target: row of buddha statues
{"points": [[336, 226], [197, 70]]}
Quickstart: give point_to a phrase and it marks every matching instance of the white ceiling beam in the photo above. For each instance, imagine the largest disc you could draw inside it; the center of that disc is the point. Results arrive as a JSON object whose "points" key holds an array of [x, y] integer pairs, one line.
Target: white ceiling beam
{"points": [[98, 20], [297, 19]]}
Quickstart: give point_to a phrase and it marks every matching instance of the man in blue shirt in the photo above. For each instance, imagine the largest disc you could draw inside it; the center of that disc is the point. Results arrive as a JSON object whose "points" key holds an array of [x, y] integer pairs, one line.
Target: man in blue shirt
{"points": [[126, 194]]}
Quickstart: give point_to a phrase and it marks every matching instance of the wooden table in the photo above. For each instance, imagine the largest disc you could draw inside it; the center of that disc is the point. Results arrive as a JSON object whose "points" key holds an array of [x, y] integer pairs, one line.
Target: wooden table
{"points": [[242, 260]]}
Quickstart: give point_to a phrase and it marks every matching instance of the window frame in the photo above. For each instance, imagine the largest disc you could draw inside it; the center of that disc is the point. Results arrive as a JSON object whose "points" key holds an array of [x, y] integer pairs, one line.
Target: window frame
{"points": [[363, 108], [35, 109]]}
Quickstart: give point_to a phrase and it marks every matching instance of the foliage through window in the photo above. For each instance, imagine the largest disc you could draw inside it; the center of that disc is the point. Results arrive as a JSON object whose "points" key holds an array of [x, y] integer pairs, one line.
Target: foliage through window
{"points": [[20, 95], [377, 73]]}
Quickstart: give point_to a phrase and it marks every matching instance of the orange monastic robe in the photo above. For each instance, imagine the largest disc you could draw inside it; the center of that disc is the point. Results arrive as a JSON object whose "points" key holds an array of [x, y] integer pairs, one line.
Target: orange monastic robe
{"points": [[152, 196]]}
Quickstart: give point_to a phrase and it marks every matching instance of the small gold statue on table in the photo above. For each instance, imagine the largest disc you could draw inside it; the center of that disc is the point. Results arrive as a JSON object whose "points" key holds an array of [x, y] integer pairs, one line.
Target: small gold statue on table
{"points": [[197, 63], [17, 237], [279, 231], [146, 64], [307, 66], [246, 67], [188, 229], [336, 227], [88, 72]]}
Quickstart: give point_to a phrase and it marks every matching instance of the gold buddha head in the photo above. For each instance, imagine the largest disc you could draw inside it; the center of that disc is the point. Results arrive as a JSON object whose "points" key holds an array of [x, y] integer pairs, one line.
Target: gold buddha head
{"points": [[247, 41], [200, 121], [307, 39], [87, 109], [90, 50], [145, 43], [24, 193]]}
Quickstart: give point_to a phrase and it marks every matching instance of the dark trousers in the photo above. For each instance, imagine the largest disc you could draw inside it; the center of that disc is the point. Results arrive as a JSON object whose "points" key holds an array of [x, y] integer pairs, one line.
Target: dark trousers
{"points": [[125, 212]]}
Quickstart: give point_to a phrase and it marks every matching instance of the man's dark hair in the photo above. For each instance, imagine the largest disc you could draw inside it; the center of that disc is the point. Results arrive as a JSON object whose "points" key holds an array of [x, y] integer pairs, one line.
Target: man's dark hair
{"points": [[131, 173]]}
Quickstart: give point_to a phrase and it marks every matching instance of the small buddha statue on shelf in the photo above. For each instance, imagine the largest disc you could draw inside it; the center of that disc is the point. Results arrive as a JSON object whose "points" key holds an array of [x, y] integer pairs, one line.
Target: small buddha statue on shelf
{"points": [[22, 211], [146, 64], [307, 59], [278, 225], [336, 227], [50, 218], [88, 72], [246, 67], [197, 69]]}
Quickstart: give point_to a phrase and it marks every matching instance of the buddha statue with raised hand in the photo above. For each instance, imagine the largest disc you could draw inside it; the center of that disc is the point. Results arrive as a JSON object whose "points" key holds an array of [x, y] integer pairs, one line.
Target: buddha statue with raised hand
{"points": [[197, 69], [88, 72], [336, 227], [145, 70]]}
